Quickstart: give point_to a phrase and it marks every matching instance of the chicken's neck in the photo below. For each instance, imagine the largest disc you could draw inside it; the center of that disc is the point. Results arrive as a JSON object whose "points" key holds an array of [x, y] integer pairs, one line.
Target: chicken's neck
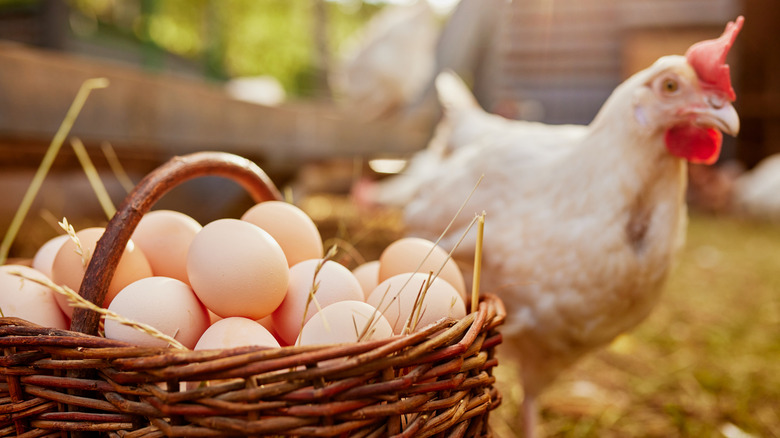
{"points": [[620, 205], [637, 188], [621, 142]]}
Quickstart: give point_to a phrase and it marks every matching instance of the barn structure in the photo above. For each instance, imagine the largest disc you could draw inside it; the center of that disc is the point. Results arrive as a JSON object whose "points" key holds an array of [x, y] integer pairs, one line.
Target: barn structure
{"points": [[558, 60]]}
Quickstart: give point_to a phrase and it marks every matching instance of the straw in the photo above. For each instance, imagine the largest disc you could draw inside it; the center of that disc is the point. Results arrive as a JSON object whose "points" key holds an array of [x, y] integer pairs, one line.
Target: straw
{"points": [[441, 236], [85, 255], [48, 160], [477, 263], [315, 285], [116, 167], [77, 300], [94, 178]]}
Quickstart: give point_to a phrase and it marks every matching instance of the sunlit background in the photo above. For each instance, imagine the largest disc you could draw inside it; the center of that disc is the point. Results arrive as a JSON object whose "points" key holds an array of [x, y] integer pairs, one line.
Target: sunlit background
{"points": [[225, 39]]}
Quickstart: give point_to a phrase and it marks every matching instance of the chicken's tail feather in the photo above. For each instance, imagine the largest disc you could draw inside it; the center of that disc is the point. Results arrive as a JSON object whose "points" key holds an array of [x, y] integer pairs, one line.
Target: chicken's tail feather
{"points": [[454, 94]]}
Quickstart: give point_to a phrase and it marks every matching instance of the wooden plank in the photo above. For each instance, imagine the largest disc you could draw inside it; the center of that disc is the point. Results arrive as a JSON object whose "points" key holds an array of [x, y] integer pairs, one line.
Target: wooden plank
{"points": [[673, 13], [758, 83], [642, 47], [171, 115]]}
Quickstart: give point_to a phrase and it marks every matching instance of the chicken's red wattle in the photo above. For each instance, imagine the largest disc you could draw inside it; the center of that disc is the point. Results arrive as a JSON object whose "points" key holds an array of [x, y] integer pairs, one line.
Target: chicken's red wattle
{"points": [[697, 144]]}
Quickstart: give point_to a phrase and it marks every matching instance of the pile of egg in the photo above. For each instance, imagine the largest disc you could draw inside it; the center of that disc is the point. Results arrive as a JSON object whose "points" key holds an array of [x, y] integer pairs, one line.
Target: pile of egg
{"points": [[247, 281]]}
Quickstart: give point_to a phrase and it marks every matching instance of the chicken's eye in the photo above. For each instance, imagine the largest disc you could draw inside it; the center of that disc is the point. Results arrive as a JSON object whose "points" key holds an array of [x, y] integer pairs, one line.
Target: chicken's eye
{"points": [[670, 86]]}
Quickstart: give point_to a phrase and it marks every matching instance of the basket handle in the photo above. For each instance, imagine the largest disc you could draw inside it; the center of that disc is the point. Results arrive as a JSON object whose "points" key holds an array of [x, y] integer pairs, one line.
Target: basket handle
{"points": [[110, 247]]}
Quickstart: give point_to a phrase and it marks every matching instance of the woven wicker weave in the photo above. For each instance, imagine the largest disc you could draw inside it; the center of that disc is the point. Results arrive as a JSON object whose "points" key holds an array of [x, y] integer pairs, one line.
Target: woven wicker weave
{"points": [[435, 382]]}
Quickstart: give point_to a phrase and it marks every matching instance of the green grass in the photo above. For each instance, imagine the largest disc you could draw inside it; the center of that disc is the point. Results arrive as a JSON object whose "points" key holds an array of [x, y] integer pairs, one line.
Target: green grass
{"points": [[707, 360]]}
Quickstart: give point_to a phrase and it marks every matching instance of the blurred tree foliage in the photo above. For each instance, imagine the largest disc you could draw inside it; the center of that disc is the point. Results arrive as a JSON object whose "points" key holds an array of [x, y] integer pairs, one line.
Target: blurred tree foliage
{"points": [[238, 37]]}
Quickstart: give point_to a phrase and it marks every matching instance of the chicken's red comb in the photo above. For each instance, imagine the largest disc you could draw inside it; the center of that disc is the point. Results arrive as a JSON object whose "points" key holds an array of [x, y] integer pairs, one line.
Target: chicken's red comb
{"points": [[708, 59]]}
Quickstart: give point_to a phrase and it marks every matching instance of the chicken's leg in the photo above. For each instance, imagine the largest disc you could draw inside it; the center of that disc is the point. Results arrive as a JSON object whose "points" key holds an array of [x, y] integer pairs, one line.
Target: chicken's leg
{"points": [[530, 416]]}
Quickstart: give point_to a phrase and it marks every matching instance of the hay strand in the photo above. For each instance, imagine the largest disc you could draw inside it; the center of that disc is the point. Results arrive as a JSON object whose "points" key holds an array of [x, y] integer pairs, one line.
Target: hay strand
{"points": [[46, 163], [77, 300], [94, 178], [116, 167], [477, 263]]}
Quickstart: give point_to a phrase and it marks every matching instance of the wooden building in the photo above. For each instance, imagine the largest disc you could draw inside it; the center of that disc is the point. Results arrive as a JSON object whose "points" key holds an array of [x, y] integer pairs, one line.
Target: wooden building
{"points": [[758, 82], [558, 60]]}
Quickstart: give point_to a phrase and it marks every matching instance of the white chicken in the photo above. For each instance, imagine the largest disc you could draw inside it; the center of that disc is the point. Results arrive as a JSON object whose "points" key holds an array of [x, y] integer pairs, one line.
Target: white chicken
{"points": [[390, 61], [582, 221], [757, 192]]}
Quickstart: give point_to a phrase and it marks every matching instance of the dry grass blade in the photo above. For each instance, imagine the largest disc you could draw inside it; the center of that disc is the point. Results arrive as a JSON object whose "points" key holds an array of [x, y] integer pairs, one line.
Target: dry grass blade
{"points": [[116, 167], [441, 236], [85, 256], [348, 248], [77, 300], [410, 324], [370, 327], [477, 262], [374, 318], [417, 308], [51, 220], [287, 193], [46, 163], [315, 287], [94, 178], [447, 228], [460, 209]]}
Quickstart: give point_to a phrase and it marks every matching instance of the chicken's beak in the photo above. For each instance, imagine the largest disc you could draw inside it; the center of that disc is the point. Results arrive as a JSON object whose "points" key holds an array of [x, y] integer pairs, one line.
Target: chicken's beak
{"points": [[719, 113]]}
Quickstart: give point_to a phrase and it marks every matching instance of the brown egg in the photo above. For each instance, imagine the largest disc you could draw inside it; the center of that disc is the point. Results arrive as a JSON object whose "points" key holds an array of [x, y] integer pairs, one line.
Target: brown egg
{"points": [[235, 332], [407, 254], [334, 283], [367, 275], [232, 332], [290, 226], [395, 298], [29, 300], [167, 304], [237, 269], [266, 322], [343, 322], [68, 267], [164, 236]]}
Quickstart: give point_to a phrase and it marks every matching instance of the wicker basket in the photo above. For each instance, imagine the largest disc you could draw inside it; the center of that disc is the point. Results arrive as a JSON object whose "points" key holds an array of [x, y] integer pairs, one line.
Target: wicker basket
{"points": [[435, 382]]}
